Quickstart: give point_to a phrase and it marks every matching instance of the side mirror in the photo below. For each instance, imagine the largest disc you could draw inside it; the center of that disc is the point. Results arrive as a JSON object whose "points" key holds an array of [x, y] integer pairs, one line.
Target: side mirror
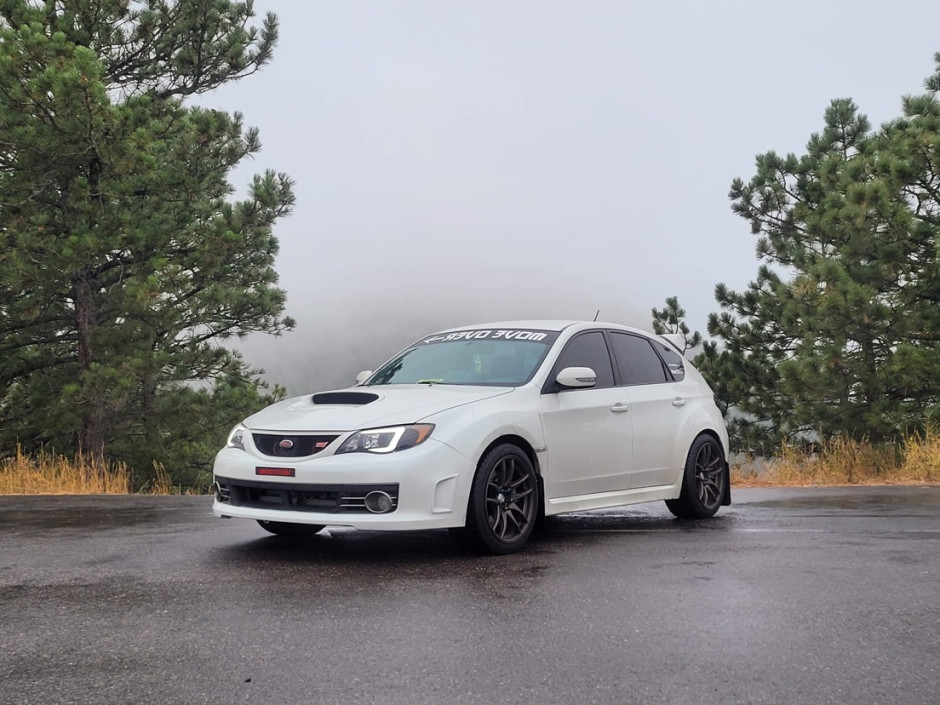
{"points": [[576, 377], [363, 376]]}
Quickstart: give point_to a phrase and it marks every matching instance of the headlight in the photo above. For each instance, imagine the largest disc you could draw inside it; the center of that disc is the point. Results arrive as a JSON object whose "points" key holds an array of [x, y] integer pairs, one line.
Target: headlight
{"points": [[236, 439], [386, 440]]}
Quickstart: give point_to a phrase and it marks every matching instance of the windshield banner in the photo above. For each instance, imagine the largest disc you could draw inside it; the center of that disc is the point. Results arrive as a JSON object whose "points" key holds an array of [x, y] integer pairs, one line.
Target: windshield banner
{"points": [[535, 336]]}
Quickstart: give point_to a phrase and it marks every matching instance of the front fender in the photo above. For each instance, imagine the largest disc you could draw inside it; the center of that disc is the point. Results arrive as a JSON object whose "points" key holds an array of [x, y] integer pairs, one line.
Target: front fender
{"points": [[471, 429]]}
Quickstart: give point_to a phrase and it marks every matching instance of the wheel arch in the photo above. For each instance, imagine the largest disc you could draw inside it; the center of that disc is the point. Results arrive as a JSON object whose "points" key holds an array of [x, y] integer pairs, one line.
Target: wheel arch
{"points": [[479, 531], [515, 440], [527, 448]]}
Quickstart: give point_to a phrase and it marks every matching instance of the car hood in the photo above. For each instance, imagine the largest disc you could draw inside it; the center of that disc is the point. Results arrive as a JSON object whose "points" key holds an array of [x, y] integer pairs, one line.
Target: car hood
{"points": [[366, 407]]}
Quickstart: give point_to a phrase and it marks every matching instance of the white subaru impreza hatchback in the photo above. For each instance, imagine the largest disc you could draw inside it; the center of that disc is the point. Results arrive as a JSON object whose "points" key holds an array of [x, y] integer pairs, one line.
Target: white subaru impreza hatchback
{"points": [[483, 430]]}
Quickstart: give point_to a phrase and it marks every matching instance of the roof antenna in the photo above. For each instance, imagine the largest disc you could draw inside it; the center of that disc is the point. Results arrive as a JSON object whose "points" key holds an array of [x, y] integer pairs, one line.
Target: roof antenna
{"points": [[597, 314]]}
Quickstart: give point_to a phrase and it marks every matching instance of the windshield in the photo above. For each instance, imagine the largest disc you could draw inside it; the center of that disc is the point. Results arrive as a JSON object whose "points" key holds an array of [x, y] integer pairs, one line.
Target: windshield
{"points": [[503, 358]]}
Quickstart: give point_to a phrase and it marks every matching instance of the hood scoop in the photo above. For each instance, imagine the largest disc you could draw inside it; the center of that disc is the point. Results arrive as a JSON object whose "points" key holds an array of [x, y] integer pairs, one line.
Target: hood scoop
{"points": [[345, 398]]}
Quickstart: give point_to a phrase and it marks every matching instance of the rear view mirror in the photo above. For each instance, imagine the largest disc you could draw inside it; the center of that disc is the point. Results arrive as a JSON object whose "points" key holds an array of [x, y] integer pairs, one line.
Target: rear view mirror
{"points": [[576, 377], [363, 376]]}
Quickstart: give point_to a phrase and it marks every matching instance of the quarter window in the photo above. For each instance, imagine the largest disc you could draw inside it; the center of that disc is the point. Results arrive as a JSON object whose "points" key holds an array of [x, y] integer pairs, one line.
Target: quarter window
{"points": [[674, 361], [636, 359]]}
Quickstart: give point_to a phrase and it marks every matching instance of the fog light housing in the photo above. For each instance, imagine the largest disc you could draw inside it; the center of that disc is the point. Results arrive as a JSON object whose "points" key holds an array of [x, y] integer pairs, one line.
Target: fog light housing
{"points": [[379, 502]]}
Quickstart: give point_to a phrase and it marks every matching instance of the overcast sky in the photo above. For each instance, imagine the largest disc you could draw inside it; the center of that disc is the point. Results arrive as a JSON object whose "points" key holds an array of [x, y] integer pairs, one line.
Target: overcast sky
{"points": [[457, 162]]}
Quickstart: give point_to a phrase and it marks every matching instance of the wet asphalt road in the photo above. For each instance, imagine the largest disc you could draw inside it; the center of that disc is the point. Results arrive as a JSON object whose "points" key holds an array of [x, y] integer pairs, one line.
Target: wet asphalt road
{"points": [[788, 596]]}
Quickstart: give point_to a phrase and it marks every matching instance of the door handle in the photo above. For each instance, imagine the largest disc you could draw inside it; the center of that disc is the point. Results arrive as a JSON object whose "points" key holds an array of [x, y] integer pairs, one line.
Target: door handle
{"points": [[678, 401], [619, 408]]}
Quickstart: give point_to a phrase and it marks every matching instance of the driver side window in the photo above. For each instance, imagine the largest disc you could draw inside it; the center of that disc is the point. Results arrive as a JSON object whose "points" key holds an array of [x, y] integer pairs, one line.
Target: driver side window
{"points": [[588, 350]]}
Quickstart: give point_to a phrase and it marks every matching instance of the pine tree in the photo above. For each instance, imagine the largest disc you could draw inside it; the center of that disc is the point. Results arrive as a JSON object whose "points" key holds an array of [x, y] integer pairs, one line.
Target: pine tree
{"points": [[671, 321], [124, 262], [838, 333]]}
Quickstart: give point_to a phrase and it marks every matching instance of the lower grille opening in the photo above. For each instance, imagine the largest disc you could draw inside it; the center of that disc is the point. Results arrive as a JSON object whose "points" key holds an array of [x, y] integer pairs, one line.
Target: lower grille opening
{"points": [[327, 499]]}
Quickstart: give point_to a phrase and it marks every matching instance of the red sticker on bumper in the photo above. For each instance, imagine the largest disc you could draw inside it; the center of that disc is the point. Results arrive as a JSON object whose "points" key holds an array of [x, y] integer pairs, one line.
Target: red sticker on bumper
{"points": [[277, 472]]}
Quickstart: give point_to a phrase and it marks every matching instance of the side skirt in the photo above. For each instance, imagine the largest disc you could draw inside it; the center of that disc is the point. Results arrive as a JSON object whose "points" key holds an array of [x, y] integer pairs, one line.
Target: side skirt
{"points": [[603, 500]]}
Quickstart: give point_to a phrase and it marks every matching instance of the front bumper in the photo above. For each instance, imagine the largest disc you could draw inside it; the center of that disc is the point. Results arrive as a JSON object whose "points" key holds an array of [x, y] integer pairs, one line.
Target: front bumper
{"points": [[430, 484]]}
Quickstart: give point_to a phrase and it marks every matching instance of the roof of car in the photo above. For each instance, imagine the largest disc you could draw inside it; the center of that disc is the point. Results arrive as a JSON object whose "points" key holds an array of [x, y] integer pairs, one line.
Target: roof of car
{"points": [[545, 324]]}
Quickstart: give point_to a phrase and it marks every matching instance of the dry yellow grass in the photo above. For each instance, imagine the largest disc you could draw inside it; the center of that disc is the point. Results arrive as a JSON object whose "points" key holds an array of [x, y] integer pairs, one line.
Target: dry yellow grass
{"points": [[841, 461], [49, 473], [161, 482], [922, 458]]}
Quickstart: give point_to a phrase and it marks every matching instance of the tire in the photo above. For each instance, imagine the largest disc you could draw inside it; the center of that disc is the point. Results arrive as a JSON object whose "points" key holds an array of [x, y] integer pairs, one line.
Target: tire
{"points": [[503, 505], [704, 482], [282, 528]]}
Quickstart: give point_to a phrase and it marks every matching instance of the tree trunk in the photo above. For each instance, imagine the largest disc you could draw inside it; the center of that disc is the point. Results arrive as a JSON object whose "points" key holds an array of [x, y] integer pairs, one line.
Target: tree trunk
{"points": [[91, 433]]}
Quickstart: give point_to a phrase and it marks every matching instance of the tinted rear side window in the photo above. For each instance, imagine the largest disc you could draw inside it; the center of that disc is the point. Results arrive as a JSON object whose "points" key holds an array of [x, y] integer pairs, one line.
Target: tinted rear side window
{"points": [[588, 350], [636, 359], [674, 360]]}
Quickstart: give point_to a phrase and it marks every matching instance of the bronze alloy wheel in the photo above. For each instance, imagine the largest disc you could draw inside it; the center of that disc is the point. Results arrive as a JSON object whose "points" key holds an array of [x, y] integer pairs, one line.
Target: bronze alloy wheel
{"points": [[703, 482], [709, 476], [510, 499], [503, 504]]}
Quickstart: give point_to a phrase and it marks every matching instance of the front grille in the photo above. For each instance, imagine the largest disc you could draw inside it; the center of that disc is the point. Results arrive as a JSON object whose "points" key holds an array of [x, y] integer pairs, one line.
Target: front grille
{"points": [[286, 446], [328, 499]]}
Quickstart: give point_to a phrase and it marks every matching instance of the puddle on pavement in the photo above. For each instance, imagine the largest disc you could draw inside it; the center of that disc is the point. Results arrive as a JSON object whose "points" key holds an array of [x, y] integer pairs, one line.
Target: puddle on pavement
{"points": [[857, 501]]}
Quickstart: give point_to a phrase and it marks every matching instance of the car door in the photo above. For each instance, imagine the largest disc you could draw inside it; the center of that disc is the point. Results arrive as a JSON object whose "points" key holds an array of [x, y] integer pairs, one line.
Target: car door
{"points": [[587, 431], [655, 408]]}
